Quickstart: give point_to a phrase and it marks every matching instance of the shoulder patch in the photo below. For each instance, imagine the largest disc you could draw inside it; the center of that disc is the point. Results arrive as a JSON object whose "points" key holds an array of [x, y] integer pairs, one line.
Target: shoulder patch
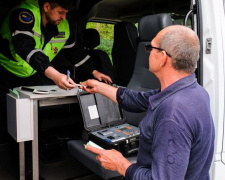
{"points": [[26, 17]]}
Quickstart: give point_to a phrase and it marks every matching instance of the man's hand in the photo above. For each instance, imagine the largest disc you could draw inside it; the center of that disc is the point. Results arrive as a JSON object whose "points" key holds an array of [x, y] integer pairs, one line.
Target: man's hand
{"points": [[91, 85], [59, 78], [111, 159], [102, 77], [94, 86]]}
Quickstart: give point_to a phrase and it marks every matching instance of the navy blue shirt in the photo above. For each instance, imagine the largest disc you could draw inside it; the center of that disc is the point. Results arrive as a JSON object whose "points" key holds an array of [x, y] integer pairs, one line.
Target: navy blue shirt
{"points": [[177, 133]]}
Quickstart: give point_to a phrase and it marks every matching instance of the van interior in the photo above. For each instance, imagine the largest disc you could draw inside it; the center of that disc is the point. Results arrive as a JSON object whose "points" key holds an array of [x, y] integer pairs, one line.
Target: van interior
{"points": [[109, 31]]}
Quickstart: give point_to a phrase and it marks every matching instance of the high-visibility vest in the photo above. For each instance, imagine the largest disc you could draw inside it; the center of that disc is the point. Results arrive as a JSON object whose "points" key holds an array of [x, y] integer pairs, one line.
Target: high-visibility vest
{"points": [[19, 66]]}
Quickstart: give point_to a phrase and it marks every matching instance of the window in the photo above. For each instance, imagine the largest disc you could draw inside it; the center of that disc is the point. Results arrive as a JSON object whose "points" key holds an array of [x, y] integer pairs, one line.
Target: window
{"points": [[106, 32]]}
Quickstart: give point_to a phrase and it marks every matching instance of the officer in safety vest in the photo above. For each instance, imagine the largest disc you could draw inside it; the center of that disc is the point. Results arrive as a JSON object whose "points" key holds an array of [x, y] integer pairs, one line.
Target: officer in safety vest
{"points": [[31, 36]]}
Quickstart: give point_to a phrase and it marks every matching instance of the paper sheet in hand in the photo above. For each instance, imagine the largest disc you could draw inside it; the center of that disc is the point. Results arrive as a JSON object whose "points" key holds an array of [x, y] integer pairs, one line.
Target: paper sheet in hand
{"points": [[90, 143]]}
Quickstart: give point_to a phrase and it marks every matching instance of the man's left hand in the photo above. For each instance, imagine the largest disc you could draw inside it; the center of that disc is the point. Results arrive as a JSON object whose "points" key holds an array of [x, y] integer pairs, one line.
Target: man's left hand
{"points": [[111, 159]]}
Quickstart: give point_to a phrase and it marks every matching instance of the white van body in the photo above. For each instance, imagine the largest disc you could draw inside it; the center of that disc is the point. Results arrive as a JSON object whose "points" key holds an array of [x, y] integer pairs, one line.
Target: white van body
{"points": [[213, 26]]}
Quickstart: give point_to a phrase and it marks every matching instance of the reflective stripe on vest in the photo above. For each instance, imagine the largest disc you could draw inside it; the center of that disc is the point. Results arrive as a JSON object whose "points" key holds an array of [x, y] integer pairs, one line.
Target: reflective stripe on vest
{"points": [[39, 36], [31, 54], [22, 32]]}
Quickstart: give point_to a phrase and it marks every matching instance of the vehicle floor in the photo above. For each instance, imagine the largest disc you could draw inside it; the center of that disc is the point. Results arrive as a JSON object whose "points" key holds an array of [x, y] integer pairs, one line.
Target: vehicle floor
{"points": [[55, 161], [63, 168]]}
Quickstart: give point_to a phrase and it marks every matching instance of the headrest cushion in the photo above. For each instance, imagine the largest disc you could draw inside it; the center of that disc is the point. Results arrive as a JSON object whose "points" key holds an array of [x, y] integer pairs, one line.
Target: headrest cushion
{"points": [[90, 38], [150, 25]]}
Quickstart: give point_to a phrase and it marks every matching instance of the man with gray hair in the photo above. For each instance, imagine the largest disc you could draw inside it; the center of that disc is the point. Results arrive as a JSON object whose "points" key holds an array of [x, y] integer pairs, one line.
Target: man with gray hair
{"points": [[177, 133]]}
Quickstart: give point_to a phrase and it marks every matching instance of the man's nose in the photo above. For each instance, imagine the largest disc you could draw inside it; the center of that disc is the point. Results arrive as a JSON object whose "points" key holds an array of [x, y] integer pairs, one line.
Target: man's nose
{"points": [[63, 16]]}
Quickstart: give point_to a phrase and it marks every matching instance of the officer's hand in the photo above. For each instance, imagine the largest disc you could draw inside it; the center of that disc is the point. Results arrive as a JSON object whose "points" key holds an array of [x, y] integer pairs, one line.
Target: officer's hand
{"points": [[102, 77], [59, 78], [64, 83]]}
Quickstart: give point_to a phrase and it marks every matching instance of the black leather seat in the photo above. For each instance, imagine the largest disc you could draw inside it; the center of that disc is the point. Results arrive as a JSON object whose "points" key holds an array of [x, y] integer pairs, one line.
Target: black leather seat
{"points": [[124, 51], [142, 80], [90, 40]]}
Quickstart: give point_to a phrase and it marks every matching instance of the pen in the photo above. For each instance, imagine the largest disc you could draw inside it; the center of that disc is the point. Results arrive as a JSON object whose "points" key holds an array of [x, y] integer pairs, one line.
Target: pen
{"points": [[68, 77]]}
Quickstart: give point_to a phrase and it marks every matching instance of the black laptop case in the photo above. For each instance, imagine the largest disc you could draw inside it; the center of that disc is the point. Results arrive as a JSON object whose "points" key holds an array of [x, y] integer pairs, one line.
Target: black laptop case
{"points": [[105, 124]]}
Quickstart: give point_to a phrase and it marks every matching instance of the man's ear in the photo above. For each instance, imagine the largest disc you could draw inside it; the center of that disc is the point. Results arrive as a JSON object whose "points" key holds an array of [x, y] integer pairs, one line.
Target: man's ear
{"points": [[164, 59], [46, 6]]}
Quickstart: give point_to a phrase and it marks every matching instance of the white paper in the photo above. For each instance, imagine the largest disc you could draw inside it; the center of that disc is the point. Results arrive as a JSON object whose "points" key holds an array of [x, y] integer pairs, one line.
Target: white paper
{"points": [[93, 112], [90, 143]]}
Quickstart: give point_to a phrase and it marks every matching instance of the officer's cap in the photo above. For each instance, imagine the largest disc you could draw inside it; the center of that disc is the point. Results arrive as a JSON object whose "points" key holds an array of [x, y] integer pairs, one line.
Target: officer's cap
{"points": [[66, 4]]}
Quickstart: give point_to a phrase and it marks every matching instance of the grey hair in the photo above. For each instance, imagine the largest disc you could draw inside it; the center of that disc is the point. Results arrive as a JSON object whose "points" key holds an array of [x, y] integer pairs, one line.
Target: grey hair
{"points": [[183, 45]]}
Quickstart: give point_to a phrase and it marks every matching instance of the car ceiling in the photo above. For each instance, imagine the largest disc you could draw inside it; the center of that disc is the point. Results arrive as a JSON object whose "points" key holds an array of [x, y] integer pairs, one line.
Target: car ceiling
{"points": [[122, 10], [117, 10]]}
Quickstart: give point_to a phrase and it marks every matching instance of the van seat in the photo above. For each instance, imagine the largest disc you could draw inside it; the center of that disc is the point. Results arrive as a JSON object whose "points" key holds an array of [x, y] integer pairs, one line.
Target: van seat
{"points": [[124, 51], [90, 41]]}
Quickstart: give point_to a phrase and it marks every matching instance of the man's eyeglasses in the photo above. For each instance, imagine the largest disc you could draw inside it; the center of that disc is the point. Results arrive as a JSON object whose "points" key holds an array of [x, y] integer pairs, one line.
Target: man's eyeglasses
{"points": [[149, 47]]}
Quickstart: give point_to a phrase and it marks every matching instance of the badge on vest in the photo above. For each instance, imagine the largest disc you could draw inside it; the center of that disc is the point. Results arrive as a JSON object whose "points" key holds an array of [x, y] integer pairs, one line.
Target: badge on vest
{"points": [[55, 50], [60, 35], [26, 17]]}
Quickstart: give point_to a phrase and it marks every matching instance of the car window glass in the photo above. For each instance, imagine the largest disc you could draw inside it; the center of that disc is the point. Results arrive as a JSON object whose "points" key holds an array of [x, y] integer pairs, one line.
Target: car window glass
{"points": [[106, 32]]}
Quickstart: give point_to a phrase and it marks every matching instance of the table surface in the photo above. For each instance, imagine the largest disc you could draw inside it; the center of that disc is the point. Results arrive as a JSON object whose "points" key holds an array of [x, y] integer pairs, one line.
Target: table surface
{"points": [[54, 91]]}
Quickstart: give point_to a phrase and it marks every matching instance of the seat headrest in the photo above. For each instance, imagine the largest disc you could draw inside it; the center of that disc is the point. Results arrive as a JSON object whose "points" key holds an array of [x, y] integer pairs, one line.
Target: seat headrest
{"points": [[150, 25], [90, 38]]}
